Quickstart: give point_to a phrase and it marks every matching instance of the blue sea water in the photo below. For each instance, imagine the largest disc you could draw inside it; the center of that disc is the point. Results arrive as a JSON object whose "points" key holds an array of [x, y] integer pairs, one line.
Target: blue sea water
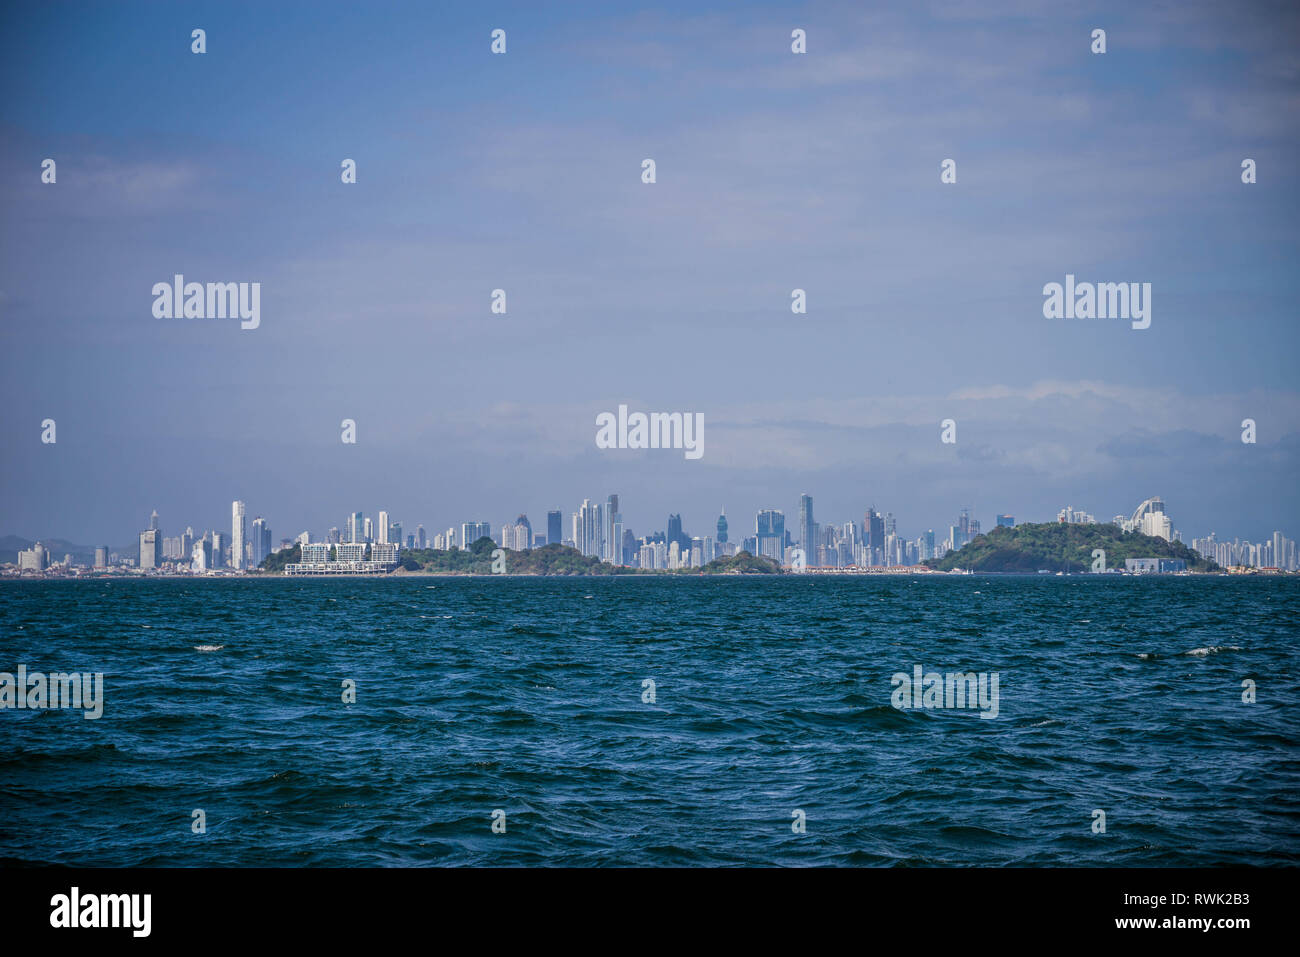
{"points": [[771, 695]]}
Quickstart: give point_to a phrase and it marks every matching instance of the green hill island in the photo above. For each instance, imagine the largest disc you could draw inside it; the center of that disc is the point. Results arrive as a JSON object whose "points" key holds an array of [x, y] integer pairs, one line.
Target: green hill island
{"points": [[1061, 547]]}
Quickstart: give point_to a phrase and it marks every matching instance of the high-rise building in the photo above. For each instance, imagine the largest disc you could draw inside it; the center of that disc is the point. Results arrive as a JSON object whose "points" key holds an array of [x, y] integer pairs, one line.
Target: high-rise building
{"points": [[873, 534], [420, 540], [355, 528], [1157, 525], [237, 535], [36, 558], [218, 556], [101, 556], [383, 528], [471, 532], [368, 531], [675, 533], [769, 530], [588, 530], [807, 529], [614, 547], [722, 526], [554, 531], [260, 541], [610, 543], [151, 546]]}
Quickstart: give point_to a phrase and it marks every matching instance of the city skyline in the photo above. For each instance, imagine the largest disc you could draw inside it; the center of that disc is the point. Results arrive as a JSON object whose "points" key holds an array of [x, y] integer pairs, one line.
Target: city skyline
{"points": [[599, 530]]}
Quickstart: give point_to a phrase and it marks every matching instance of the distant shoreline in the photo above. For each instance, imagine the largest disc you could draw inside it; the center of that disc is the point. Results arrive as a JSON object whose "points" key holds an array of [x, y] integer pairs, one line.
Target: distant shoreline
{"points": [[910, 573]]}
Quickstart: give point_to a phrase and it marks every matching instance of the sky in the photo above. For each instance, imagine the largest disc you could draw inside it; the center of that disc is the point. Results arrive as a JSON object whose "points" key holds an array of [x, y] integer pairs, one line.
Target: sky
{"points": [[522, 171]]}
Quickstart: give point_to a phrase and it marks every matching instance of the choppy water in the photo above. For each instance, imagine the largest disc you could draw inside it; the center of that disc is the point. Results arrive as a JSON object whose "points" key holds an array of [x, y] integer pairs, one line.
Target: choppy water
{"points": [[772, 695]]}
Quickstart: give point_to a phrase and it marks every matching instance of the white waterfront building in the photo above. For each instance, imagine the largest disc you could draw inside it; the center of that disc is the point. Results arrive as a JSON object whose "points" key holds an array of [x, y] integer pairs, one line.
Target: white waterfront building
{"points": [[349, 559]]}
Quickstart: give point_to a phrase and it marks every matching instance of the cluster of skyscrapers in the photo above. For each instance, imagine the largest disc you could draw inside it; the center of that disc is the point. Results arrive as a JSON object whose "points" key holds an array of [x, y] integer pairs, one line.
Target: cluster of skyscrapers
{"points": [[598, 529], [246, 547], [1278, 552]]}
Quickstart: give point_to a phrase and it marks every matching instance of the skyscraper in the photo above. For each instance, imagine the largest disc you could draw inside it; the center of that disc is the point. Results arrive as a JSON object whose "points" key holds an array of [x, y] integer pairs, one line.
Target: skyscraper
{"points": [[769, 529], [151, 544], [610, 544], [722, 526], [614, 547], [873, 533], [383, 528], [807, 528], [260, 540], [237, 535], [554, 531], [587, 529], [675, 532], [471, 532], [354, 528]]}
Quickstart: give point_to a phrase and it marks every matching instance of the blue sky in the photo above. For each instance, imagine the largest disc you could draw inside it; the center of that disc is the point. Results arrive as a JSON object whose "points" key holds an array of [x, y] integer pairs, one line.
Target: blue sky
{"points": [[522, 172]]}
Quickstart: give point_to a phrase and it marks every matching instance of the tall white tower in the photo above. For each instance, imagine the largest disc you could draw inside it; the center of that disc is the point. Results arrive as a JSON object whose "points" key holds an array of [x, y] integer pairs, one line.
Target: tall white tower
{"points": [[237, 535]]}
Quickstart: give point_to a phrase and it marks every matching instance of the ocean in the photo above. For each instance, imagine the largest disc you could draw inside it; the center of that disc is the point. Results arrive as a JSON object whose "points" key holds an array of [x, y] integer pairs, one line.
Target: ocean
{"points": [[642, 721]]}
